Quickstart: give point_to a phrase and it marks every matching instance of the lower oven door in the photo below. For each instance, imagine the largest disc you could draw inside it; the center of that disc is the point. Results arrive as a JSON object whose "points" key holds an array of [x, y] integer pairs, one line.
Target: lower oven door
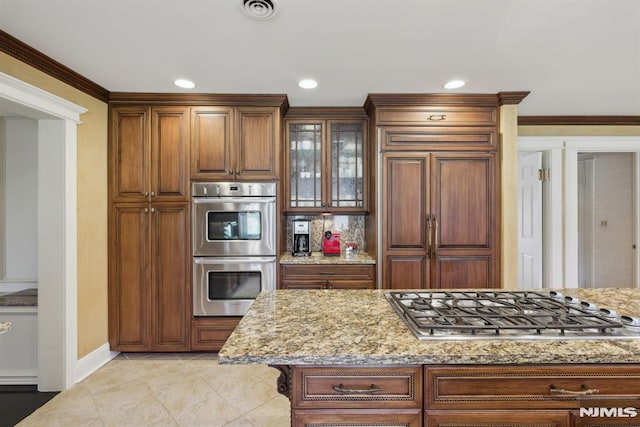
{"points": [[226, 286]]}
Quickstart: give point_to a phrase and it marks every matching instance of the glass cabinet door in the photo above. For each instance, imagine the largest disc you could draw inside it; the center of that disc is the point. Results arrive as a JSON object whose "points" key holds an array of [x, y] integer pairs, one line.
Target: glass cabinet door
{"points": [[347, 148], [305, 160]]}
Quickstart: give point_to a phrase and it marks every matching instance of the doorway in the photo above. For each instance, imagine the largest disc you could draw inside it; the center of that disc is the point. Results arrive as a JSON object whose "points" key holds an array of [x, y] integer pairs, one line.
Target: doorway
{"points": [[57, 226], [573, 225]]}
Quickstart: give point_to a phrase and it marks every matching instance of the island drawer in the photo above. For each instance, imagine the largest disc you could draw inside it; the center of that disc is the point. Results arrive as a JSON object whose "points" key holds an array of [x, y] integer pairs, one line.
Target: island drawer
{"points": [[522, 386], [357, 387], [358, 418]]}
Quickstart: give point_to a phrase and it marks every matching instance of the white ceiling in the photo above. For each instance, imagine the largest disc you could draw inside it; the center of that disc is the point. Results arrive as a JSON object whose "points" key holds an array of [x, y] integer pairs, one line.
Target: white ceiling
{"points": [[577, 57]]}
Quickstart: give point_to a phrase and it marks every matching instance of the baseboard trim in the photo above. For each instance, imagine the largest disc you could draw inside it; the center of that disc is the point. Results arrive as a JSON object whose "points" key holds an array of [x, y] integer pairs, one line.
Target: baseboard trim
{"points": [[93, 361], [18, 376]]}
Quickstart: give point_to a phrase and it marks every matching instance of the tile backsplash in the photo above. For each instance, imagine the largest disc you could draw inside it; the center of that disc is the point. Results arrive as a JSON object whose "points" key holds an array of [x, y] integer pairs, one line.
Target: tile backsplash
{"points": [[350, 227]]}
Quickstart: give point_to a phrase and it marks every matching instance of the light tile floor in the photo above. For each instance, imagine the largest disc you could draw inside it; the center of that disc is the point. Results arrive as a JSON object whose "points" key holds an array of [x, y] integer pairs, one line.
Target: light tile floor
{"points": [[176, 389]]}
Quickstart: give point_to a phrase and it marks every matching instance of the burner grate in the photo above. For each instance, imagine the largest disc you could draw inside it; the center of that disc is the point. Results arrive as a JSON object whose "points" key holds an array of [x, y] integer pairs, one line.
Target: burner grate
{"points": [[498, 313]]}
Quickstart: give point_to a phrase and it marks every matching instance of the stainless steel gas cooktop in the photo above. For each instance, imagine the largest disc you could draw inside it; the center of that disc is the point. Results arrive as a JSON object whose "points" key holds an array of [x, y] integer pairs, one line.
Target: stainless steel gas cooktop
{"points": [[472, 315]]}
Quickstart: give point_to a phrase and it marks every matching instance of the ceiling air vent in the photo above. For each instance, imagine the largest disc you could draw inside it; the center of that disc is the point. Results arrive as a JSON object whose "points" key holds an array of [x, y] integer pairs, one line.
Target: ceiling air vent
{"points": [[259, 9]]}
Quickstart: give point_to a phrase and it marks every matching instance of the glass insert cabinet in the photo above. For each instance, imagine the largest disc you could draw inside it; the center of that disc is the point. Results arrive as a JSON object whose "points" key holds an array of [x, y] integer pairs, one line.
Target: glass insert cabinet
{"points": [[326, 165]]}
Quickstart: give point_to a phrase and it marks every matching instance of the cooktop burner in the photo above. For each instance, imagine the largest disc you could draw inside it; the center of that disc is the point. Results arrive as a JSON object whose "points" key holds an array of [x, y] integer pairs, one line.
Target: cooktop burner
{"points": [[508, 315]]}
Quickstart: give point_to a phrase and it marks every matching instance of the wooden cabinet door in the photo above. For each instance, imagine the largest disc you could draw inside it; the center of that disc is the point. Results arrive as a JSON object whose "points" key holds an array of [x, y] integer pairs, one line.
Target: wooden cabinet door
{"points": [[170, 153], [304, 171], [211, 149], [346, 159], [129, 291], [129, 154], [405, 229], [497, 418], [463, 215], [258, 149], [171, 299]]}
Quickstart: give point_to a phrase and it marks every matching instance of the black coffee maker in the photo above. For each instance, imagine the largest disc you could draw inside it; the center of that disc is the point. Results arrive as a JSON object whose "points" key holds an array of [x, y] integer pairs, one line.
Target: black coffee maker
{"points": [[301, 238]]}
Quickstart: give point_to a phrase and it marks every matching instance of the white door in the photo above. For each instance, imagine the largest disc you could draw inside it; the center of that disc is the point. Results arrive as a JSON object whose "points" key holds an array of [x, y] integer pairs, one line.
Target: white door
{"points": [[529, 221]]}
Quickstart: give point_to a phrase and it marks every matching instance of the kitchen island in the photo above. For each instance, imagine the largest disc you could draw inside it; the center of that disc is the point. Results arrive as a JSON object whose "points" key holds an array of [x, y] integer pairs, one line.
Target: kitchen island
{"points": [[347, 359]]}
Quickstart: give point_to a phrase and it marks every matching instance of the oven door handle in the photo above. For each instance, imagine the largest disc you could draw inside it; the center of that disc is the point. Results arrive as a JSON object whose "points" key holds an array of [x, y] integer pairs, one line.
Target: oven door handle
{"points": [[235, 260], [234, 200]]}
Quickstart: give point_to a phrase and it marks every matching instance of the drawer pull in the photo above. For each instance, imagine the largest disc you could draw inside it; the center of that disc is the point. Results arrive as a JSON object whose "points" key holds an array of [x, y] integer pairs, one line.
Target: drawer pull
{"points": [[437, 117], [585, 391], [372, 389]]}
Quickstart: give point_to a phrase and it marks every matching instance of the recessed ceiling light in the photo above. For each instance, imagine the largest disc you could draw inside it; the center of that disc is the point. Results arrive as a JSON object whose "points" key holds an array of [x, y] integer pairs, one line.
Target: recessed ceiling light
{"points": [[454, 84], [308, 84], [184, 83]]}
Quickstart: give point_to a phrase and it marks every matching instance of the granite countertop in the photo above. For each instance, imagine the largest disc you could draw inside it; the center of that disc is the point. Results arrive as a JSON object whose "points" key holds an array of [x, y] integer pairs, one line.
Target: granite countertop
{"points": [[4, 327], [293, 327], [318, 258]]}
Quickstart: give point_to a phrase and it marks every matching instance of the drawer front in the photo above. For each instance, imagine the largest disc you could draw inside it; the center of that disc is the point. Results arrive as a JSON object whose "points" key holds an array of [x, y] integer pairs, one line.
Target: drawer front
{"points": [[357, 387], [497, 418], [328, 272], [210, 333], [557, 386], [416, 139], [359, 418], [328, 284], [437, 116]]}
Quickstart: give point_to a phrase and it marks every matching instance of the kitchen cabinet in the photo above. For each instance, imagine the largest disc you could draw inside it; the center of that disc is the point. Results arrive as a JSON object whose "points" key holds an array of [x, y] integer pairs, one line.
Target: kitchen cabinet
{"points": [[440, 220], [149, 229], [545, 395], [328, 276], [439, 189], [326, 161], [351, 396], [210, 333], [235, 143], [149, 271]]}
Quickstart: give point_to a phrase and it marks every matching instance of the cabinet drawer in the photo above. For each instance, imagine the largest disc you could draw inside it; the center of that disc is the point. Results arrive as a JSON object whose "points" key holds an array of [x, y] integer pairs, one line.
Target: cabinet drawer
{"points": [[402, 138], [466, 387], [210, 333], [437, 116], [357, 418], [328, 284], [497, 418], [357, 387], [328, 272]]}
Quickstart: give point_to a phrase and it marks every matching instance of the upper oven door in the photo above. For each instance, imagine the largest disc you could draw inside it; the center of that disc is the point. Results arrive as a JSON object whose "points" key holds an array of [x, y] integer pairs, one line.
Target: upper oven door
{"points": [[234, 226]]}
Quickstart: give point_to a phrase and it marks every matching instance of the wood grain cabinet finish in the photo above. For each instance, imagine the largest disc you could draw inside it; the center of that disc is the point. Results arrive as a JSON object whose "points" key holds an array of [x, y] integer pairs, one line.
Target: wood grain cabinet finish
{"points": [[437, 116], [149, 229], [326, 161], [440, 220], [149, 154], [328, 276], [235, 143], [496, 419], [210, 333], [149, 302], [356, 396]]}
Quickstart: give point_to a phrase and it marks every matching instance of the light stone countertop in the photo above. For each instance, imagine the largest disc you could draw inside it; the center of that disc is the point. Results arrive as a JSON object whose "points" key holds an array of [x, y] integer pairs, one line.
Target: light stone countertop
{"points": [[4, 327], [341, 327], [318, 258]]}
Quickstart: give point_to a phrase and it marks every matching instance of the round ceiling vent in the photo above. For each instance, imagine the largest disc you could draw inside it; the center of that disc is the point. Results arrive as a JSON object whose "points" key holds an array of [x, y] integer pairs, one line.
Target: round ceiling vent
{"points": [[259, 9]]}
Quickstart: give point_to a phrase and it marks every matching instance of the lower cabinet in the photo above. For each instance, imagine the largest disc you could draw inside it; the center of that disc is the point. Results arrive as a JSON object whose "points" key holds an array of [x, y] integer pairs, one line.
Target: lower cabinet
{"points": [[572, 395], [328, 276], [210, 333]]}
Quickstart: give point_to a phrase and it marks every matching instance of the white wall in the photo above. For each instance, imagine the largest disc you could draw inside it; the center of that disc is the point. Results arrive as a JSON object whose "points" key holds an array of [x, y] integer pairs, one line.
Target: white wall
{"points": [[20, 204]]}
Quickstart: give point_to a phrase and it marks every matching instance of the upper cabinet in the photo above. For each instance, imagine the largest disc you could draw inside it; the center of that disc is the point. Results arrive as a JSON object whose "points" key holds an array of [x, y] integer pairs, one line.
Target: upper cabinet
{"points": [[235, 143], [150, 147], [326, 161]]}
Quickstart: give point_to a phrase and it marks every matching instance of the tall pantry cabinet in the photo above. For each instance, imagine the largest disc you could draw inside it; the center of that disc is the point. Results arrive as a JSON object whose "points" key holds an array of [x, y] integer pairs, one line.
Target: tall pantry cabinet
{"points": [[149, 304], [439, 189]]}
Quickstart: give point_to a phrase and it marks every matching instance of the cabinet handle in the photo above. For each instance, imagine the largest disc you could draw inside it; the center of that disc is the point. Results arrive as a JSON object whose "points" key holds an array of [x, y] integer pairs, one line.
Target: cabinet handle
{"points": [[146, 210], [437, 117], [429, 232], [146, 194], [435, 237], [153, 210], [237, 171], [370, 390], [230, 171], [153, 194], [585, 391]]}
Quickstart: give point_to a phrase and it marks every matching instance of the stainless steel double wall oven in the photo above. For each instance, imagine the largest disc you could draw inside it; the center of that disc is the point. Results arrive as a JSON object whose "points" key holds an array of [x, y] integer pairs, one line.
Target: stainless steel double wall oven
{"points": [[234, 245]]}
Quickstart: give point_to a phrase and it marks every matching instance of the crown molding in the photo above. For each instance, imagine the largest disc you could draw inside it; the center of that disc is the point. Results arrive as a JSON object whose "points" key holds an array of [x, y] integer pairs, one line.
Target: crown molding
{"points": [[579, 120], [30, 56]]}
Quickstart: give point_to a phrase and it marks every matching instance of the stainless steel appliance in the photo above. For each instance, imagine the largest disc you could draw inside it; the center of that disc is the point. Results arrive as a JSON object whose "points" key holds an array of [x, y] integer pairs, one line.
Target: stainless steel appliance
{"points": [[301, 238], [234, 245], [464, 315], [226, 286]]}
